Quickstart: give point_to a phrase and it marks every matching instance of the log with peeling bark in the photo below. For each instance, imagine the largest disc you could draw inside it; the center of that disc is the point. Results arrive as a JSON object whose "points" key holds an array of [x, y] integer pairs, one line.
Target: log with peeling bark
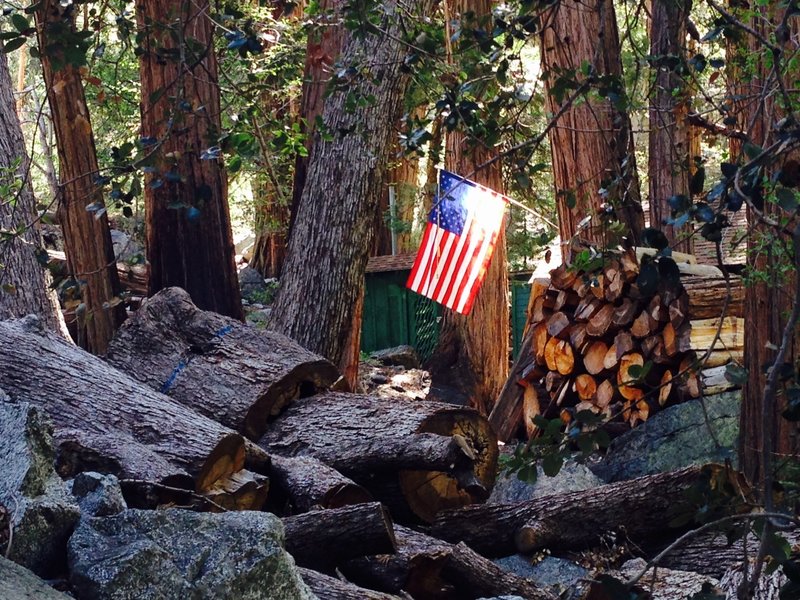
{"points": [[307, 483], [106, 421], [242, 490], [323, 539], [426, 567], [589, 328], [442, 456], [233, 373], [642, 508], [326, 587]]}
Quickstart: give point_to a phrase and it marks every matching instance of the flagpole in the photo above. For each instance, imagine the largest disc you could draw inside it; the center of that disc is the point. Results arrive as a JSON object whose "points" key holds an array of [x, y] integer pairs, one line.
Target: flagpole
{"points": [[509, 199]]}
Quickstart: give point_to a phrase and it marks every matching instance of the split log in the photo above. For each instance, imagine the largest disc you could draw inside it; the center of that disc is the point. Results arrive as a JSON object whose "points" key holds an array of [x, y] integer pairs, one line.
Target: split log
{"points": [[233, 373], [558, 356], [706, 295], [323, 539], [594, 357], [307, 483], [106, 421], [704, 333], [443, 456], [425, 567], [242, 490], [326, 587], [642, 507]]}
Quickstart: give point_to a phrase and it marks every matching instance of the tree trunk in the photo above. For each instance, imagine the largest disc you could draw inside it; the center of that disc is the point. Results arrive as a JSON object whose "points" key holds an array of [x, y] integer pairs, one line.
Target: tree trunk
{"points": [[106, 421], [441, 455], [307, 483], [324, 269], [24, 282], [669, 166], [271, 225], [592, 143], [189, 240], [643, 507], [472, 355], [87, 239], [230, 372], [767, 304], [323, 539]]}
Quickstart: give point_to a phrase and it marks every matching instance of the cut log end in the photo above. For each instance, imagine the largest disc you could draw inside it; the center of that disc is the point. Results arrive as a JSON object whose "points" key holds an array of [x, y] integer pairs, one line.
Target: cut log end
{"points": [[226, 458], [428, 492]]}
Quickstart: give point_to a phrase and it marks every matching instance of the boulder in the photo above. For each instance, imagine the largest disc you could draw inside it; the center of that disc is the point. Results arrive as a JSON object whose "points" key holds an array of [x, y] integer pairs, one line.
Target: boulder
{"points": [[550, 572], [174, 553], [126, 249], [399, 356], [98, 495], [43, 514], [17, 583], [674, 438], [252, 285], [573, 477]]}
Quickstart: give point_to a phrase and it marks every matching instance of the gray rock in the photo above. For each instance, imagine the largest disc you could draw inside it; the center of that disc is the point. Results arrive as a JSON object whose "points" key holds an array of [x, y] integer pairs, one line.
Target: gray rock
{"points": [[126, 249], [401, 356], [572, 477], [98, 495], [43, 514], [17, 583], [252, 285], [154, 555], [549, 572], [675, 438]]}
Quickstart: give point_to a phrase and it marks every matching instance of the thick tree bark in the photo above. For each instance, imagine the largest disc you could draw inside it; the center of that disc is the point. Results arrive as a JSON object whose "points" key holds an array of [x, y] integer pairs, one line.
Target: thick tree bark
{"points": [[24, 282], [230, 372], [429, 568], [326, 587], [323, 539], [189, 240], [307, 483], [87, 238], [442, 456], [669, 166], [107, 421], [324, 269], [592, 143], [766, 305], [644, 507], [472, 355]]}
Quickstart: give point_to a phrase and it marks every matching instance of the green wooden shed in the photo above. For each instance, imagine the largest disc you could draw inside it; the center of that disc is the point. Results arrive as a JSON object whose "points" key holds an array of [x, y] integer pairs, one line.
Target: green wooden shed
{"points": [[394, 315]]}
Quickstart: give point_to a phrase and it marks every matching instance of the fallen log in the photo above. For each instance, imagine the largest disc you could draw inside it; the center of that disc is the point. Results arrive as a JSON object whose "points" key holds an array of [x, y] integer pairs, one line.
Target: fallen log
{"points": [[326, 587], [233, 373], [707, 294], [106, 421], [322, 539], [425, 567], [641, 507], [307, 483], [242, 490], [442, 456]]}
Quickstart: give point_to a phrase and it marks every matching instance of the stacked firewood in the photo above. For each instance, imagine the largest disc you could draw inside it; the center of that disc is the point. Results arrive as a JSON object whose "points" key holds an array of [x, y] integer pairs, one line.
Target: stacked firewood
{"points": [[620, 340]]}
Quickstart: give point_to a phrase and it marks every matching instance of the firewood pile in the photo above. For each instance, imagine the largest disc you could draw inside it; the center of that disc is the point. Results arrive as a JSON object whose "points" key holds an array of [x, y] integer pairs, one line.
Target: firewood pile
{"points": [[622, 339]]}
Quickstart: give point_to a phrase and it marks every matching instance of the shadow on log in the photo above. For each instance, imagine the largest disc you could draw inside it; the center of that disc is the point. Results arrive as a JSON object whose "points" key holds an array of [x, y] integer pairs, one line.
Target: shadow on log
{"points": [[442, 456], [106, 421], [236, 374], [430, 569], [323, 539], [326, 587]]}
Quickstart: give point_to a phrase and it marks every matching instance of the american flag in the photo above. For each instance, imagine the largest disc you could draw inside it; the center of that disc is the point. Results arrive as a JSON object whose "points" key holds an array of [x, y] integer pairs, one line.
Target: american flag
{"points": [[458, 242]]}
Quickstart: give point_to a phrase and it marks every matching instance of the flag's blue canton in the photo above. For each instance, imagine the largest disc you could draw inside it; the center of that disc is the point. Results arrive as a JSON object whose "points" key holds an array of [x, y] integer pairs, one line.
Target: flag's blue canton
{"points": [[451, 213]]}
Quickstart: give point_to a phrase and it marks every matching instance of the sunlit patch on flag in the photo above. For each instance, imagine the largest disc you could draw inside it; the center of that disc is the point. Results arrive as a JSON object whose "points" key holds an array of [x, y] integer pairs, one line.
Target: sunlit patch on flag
{"points": [[458, 243]]}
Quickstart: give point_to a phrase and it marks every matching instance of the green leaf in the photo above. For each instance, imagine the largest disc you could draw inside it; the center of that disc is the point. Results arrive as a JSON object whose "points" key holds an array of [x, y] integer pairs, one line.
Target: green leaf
{"points": [[735, 374], [20, 23], [234, 164], [13, 44], [551, 464], [751, 150]]}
